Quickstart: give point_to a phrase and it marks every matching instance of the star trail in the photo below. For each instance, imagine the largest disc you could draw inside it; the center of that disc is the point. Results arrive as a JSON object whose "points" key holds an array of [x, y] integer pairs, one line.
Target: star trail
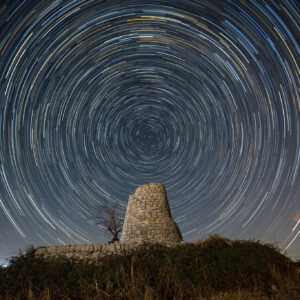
{"points": [[100, 97]]}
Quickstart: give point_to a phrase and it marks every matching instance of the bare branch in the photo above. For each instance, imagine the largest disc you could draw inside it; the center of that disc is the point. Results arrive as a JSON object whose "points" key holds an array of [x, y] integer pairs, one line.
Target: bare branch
{"points": [[110, 217]]}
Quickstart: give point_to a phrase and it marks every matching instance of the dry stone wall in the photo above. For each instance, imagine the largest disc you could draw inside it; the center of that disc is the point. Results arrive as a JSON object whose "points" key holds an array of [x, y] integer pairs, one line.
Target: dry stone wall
{"points": [[85, 252], [148, 217]]}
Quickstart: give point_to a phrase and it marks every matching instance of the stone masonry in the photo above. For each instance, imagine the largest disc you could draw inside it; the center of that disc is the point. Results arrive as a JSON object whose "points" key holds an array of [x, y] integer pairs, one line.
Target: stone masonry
{"points": [[148, 217], [89, 252]]}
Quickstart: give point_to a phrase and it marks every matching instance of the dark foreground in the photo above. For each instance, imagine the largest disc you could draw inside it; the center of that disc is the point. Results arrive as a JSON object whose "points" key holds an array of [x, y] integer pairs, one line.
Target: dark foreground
{"points": [[215, 269]]}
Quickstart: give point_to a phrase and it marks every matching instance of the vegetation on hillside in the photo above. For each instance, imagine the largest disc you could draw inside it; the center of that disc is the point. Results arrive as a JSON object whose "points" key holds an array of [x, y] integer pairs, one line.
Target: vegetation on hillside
{"points": [[217, 268]]}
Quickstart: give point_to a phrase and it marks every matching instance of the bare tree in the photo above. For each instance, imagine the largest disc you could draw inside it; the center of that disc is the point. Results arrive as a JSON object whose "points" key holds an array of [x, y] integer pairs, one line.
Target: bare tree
{"points": [[110, 217]]}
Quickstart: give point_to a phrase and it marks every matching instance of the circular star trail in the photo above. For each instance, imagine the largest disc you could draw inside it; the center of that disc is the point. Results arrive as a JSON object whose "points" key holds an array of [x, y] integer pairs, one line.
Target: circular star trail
{"points": [[99, 97]]}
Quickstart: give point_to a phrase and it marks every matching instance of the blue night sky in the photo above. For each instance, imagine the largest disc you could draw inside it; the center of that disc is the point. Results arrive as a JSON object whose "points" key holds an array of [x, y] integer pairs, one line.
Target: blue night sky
{"points": [[100, 97]]}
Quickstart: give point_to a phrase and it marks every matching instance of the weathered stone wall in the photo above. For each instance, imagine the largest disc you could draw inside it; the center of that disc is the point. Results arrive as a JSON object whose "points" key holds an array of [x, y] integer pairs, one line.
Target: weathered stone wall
{"points": [[85, 252], [148, 217]]}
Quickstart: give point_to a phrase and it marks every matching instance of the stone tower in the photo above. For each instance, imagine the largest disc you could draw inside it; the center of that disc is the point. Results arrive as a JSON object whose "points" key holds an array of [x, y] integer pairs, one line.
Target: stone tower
{"points": [[148, 217]]}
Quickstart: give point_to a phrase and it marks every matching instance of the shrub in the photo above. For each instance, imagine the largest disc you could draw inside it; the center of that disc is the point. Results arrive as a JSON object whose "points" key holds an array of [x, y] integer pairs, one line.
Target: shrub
{"points": [[187, 271]]}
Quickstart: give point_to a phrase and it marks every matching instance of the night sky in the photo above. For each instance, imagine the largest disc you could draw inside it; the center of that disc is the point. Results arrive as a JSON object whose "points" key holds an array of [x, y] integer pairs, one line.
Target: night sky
{"points": [[100, 97]]}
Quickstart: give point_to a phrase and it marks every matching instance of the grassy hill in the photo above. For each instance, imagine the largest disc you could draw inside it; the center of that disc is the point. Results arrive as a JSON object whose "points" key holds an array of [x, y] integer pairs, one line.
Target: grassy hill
{"points": [[216, 268]]}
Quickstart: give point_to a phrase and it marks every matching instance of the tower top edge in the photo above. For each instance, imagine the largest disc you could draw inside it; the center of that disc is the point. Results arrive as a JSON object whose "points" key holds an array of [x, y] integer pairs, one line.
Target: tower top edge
{"points": [[151, 185]]}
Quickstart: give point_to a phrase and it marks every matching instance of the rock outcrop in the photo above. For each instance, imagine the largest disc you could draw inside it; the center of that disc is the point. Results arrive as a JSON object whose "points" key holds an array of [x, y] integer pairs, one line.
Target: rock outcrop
{"points": [[148, 217]]}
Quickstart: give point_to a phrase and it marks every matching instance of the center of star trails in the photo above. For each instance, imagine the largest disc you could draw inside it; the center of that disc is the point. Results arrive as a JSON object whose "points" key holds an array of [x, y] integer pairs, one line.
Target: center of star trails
{"points": [[147, 138]]}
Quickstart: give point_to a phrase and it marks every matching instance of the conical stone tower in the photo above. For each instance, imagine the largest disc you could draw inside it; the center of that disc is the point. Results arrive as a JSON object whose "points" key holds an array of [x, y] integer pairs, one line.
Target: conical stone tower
{"points": [[148, 217]]}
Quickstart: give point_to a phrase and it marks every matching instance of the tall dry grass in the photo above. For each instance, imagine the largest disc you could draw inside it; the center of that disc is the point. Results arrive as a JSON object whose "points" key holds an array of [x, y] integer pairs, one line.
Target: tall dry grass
{"points": [[217, 269]]}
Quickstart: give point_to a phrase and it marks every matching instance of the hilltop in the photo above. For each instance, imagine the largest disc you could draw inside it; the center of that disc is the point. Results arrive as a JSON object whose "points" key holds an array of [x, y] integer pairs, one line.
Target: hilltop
{"points": [[216, 268]]}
